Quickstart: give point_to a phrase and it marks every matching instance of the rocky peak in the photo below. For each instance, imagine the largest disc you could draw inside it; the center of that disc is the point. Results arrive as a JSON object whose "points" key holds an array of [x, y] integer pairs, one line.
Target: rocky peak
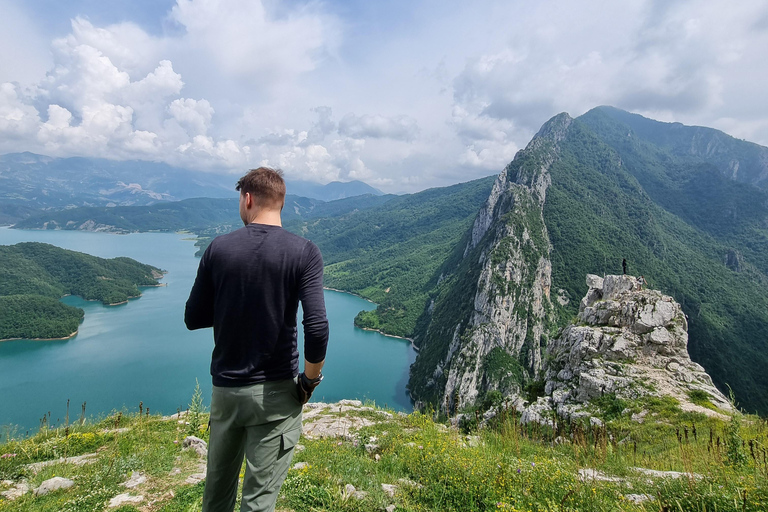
{"points": [[630, 341], [496, 317]]}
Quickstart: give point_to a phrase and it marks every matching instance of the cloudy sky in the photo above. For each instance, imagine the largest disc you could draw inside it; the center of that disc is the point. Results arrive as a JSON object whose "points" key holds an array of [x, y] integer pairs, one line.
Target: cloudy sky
{"points": [[402, 94]]}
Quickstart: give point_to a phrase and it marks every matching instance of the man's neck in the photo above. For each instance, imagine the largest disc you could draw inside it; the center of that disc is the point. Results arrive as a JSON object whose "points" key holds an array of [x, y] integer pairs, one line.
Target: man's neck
{"points": [[269, 217]]}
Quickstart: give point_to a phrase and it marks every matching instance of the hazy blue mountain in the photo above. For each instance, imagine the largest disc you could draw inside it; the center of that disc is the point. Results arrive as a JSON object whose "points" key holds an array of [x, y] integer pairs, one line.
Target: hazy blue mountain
{"points": [[198, 215], [30, 182], [331, 191]]}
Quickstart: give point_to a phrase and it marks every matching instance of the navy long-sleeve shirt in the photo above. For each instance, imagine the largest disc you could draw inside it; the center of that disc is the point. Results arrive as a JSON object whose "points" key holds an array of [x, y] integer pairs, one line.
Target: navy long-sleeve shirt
{"points": [[248, 287]]}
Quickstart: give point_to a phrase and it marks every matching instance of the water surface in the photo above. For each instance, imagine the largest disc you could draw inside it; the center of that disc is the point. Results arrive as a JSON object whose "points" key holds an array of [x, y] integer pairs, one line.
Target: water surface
{"points": [[141, 351]]}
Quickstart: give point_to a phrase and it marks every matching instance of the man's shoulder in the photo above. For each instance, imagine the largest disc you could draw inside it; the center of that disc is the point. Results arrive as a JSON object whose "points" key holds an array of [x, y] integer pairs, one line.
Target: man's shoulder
{"points": [[277, 234], [293, 238], [228, 238]]}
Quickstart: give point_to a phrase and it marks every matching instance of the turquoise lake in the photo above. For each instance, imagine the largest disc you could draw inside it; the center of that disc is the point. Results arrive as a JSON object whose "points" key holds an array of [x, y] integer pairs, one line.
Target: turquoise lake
{"points": [[142, 352]]}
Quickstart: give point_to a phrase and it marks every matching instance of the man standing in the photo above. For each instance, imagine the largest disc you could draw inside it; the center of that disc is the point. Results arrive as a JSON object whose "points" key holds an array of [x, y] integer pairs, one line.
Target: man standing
{"points": [[248, 288]]}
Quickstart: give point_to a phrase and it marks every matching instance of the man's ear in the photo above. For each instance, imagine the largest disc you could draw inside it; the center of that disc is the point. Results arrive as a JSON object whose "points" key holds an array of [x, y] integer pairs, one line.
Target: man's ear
{"points": [[248, 201]]}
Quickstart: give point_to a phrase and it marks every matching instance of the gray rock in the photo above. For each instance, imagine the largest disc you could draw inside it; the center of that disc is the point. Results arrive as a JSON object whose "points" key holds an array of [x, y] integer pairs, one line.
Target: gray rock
{"points": [[53, 484], [390, 508], [538, 412], [588, 474], [409, 483], [18, 491], [351, 403], [472, 441], [389, 489], [80, 460], [666, 474], [614, 286], [595, 282], [299, 465], [196, 444], [195, 478], [124, 499], [349, 489], [136, 479], [637, 499], [335, 426], [634, 343]]}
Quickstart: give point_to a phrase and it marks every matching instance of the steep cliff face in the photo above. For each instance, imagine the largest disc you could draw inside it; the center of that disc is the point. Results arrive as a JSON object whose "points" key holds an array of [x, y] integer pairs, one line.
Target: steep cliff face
{"points": [[630, 342], [485, 329]]}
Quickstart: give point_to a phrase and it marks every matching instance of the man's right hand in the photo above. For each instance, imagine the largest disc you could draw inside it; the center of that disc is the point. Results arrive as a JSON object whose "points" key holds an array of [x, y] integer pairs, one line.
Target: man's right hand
{"points": [[305, 387]]}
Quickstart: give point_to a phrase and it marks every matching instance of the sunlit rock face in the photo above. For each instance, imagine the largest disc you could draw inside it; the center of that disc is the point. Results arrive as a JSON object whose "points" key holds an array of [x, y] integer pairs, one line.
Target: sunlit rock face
{"points": [[629, 341], [486, 332]]}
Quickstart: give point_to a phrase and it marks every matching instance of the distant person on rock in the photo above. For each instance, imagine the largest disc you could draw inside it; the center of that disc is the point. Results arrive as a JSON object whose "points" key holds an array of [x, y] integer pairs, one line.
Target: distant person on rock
{"points": [[248, 288], [624, 266], [641, 281]]}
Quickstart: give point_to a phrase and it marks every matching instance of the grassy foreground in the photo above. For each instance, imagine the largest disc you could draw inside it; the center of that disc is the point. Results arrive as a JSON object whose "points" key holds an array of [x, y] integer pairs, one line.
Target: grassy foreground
{"points": [[432, 466]]}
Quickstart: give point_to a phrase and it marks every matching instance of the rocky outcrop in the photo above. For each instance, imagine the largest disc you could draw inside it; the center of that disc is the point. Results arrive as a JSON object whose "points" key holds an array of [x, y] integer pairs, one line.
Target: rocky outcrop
{"points": [[629, 341], [486, 330]]}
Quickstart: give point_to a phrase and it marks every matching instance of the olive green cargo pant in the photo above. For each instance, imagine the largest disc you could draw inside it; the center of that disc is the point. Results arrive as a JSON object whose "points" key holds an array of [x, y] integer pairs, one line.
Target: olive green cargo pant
{"points": [[261, 422]]}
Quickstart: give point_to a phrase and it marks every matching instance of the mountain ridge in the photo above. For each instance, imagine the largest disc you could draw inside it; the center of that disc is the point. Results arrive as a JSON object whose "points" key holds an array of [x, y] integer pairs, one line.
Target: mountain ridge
{"points": [[596, 213]]}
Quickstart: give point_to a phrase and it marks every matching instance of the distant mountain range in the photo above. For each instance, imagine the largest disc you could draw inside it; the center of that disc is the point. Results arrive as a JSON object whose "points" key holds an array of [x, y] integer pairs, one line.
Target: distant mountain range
{"points": [[30, 182]]}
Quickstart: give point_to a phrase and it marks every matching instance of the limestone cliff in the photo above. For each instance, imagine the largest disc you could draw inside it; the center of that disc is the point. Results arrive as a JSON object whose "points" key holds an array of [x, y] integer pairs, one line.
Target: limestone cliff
{"points": [[485, 330], [628, 341]]}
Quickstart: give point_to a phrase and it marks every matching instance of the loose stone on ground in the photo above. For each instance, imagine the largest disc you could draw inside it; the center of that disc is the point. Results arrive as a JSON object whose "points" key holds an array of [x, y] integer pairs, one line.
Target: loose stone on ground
{"points": [[124, 499], [18, 491], [80, 460], [196, 444], [136, 479], [53, 484]]}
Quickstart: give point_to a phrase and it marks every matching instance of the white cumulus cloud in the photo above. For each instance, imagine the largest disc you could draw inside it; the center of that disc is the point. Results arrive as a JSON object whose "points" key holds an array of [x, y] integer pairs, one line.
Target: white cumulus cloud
{"points": [[400, 127]]}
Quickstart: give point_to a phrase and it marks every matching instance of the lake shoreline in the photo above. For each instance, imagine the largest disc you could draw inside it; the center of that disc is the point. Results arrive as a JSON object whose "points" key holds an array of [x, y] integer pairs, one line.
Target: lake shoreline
{"points": [[43, 339], [413, 346], [410, 340]]}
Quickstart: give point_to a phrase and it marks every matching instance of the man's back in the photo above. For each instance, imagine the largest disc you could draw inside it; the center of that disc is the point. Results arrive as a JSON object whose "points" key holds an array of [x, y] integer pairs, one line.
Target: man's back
{"points": [[248, 288]]}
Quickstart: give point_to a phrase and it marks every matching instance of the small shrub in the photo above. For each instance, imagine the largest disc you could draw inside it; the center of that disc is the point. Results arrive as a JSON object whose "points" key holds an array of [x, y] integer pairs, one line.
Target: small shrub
{"points": [[610, 405], [196, 411], [533, 390], [700, 397]]}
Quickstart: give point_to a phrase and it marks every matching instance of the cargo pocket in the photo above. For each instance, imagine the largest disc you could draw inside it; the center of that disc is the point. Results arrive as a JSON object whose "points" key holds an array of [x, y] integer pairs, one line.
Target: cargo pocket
{"points": [[290, 438]]}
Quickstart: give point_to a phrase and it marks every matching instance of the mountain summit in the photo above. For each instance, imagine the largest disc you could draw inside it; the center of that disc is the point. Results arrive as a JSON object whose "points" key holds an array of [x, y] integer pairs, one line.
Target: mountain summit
{"points": [[684, 206]]}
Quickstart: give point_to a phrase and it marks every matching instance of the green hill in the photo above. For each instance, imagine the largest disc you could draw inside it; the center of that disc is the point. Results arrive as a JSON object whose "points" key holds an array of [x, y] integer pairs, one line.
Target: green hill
{"points": [[33, 276]]}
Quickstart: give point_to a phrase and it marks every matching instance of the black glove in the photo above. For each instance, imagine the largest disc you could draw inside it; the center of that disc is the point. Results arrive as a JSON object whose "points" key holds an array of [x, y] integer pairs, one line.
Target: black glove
{"points": [[305, 387]]}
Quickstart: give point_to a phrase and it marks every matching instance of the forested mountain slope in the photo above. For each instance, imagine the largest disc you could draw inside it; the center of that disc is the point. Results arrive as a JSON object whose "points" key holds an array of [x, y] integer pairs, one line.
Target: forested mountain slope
{"points": [[392, 253], [606, 199]]}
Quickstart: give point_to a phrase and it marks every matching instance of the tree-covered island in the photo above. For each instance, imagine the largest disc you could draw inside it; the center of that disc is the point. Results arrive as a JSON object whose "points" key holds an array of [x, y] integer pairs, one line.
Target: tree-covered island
{"points": [[34, 276]]}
